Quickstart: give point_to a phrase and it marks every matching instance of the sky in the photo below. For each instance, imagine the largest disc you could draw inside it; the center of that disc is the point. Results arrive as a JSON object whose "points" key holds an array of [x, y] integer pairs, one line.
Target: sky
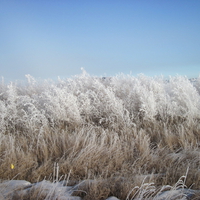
{"points": [[51, 38]]}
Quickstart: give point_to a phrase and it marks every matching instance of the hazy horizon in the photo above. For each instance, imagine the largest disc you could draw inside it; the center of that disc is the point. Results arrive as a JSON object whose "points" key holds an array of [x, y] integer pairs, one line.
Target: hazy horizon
{"points": [[47, 39]]}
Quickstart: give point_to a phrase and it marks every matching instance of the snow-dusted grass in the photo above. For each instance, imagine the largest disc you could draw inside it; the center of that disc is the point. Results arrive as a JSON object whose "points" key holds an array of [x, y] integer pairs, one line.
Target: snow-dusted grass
{"points": [[109, 129]]}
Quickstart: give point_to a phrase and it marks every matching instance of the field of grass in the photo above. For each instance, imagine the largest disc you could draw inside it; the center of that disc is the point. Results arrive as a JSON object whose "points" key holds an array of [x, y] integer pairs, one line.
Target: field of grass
{"points": [[116, 130]]}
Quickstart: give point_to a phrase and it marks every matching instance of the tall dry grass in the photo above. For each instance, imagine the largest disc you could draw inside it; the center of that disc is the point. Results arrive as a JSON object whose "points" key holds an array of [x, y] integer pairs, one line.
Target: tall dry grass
{"points": [[114, 130]]}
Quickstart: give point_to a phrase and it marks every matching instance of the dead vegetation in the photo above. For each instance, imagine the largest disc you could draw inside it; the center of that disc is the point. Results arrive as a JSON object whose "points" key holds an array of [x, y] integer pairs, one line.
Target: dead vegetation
{"points": [[116, 131]]}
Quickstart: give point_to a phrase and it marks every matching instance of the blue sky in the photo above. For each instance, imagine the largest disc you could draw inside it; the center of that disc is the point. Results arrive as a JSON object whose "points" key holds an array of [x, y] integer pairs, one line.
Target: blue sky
{"points": [[50, 38]]}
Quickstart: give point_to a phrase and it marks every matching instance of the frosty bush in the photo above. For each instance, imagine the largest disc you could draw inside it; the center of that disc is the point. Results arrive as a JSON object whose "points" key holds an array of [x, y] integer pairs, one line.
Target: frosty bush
{"points": [[184, 98]]}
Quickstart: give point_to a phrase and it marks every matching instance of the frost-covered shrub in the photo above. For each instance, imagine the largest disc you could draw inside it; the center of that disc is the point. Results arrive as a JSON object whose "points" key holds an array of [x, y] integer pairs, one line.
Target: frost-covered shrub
{"points": [[10, 100], [184, 98], [142, 96], [19, 112], [150, 94], [60, 105], [30, 117], [127, 89], [97, 101]]}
